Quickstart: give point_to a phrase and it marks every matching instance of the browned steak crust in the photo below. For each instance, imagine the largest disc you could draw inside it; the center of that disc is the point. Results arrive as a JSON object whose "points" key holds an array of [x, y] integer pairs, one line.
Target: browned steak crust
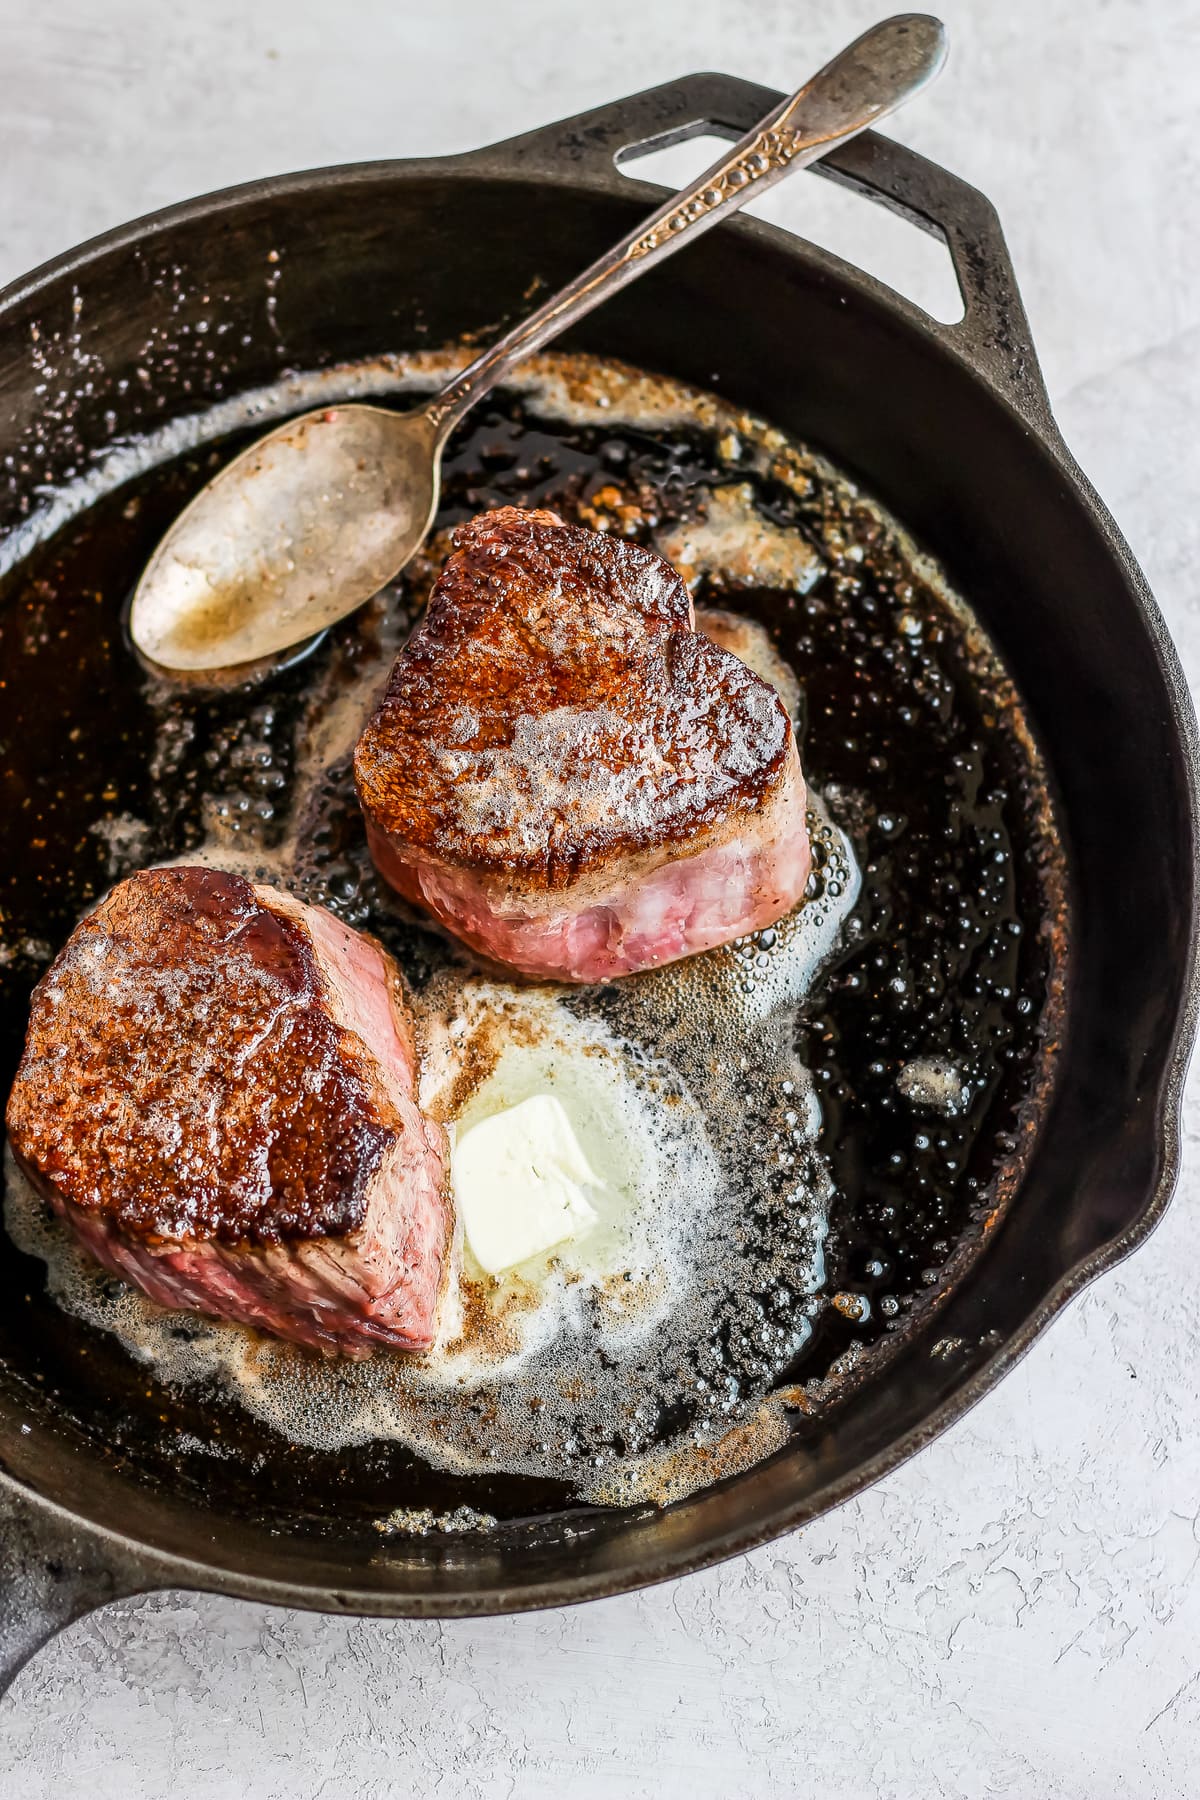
{"points": [[556, 710], [198, 1087]]}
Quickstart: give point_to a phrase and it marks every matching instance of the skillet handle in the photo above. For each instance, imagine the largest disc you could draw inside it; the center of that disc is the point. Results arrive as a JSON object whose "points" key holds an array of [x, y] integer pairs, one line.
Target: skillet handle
{"points": [[50, 1575], [993, 336], [993, 333]]}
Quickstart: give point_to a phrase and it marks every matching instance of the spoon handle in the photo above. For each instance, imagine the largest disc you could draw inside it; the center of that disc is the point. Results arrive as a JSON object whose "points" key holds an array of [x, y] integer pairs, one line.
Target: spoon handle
{"points": [[871, 78]]}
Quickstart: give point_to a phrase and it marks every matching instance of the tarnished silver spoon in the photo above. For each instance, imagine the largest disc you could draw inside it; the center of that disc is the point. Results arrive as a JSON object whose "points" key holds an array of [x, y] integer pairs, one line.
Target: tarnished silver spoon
{"points": [[308, 523]]}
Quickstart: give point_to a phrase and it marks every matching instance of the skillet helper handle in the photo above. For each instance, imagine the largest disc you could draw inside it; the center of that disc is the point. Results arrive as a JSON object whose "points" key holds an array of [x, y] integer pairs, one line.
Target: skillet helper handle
{"points": [[50, 1575], [993, 336], [874, 75], [994, 331]]}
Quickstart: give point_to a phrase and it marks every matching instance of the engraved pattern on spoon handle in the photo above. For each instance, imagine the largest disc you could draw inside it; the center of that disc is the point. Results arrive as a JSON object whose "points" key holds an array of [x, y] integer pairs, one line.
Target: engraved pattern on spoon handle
{"points": [[870, 78], [761, 159]]}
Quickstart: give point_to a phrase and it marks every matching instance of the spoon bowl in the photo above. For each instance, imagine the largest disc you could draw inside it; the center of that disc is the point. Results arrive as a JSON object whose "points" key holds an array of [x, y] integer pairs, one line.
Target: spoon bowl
{"points": [[291, 536]]}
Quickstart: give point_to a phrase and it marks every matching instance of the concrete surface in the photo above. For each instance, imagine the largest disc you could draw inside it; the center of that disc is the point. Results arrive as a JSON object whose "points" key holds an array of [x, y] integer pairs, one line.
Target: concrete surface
{"points": [[1018, 1611]]}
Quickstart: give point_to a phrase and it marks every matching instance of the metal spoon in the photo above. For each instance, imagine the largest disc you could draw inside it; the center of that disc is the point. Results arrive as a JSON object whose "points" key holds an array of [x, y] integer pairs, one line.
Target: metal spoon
{"points": [[317, 516]]}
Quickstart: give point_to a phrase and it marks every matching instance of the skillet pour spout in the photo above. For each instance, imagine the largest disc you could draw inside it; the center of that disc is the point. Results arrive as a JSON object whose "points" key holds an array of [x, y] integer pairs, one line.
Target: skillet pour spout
{"points": [[950, 427]]}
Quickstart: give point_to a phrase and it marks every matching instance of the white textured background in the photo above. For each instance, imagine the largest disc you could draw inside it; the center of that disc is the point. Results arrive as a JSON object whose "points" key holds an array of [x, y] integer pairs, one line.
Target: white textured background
{"points": [[1017, 1612]]}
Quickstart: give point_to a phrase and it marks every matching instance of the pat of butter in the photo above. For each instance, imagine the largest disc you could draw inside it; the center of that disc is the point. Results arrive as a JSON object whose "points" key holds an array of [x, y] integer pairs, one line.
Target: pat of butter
{"points": [[518, 1183]]}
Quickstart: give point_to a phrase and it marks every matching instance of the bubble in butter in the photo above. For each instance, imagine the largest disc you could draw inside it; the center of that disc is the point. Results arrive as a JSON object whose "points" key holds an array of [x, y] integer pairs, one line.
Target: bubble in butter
{"points": [[519, 1183]]}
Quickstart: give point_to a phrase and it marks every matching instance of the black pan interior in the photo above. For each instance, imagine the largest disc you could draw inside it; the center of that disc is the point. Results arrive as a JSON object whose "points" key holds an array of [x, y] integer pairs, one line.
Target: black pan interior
{"points": [[304, 275]]}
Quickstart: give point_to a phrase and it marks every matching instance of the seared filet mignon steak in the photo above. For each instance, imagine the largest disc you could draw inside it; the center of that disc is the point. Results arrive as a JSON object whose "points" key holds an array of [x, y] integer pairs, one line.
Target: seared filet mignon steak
{"points": [[566, 773], [218, 1094]]}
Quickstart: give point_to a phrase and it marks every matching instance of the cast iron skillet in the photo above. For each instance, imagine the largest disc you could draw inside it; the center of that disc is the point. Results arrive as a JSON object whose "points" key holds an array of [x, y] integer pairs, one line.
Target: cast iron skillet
{"points": [[950, 427]]}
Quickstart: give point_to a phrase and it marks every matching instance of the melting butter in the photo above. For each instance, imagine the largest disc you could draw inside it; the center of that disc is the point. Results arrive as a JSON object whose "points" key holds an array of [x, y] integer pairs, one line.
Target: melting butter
{"points": [[520, 1180]]}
